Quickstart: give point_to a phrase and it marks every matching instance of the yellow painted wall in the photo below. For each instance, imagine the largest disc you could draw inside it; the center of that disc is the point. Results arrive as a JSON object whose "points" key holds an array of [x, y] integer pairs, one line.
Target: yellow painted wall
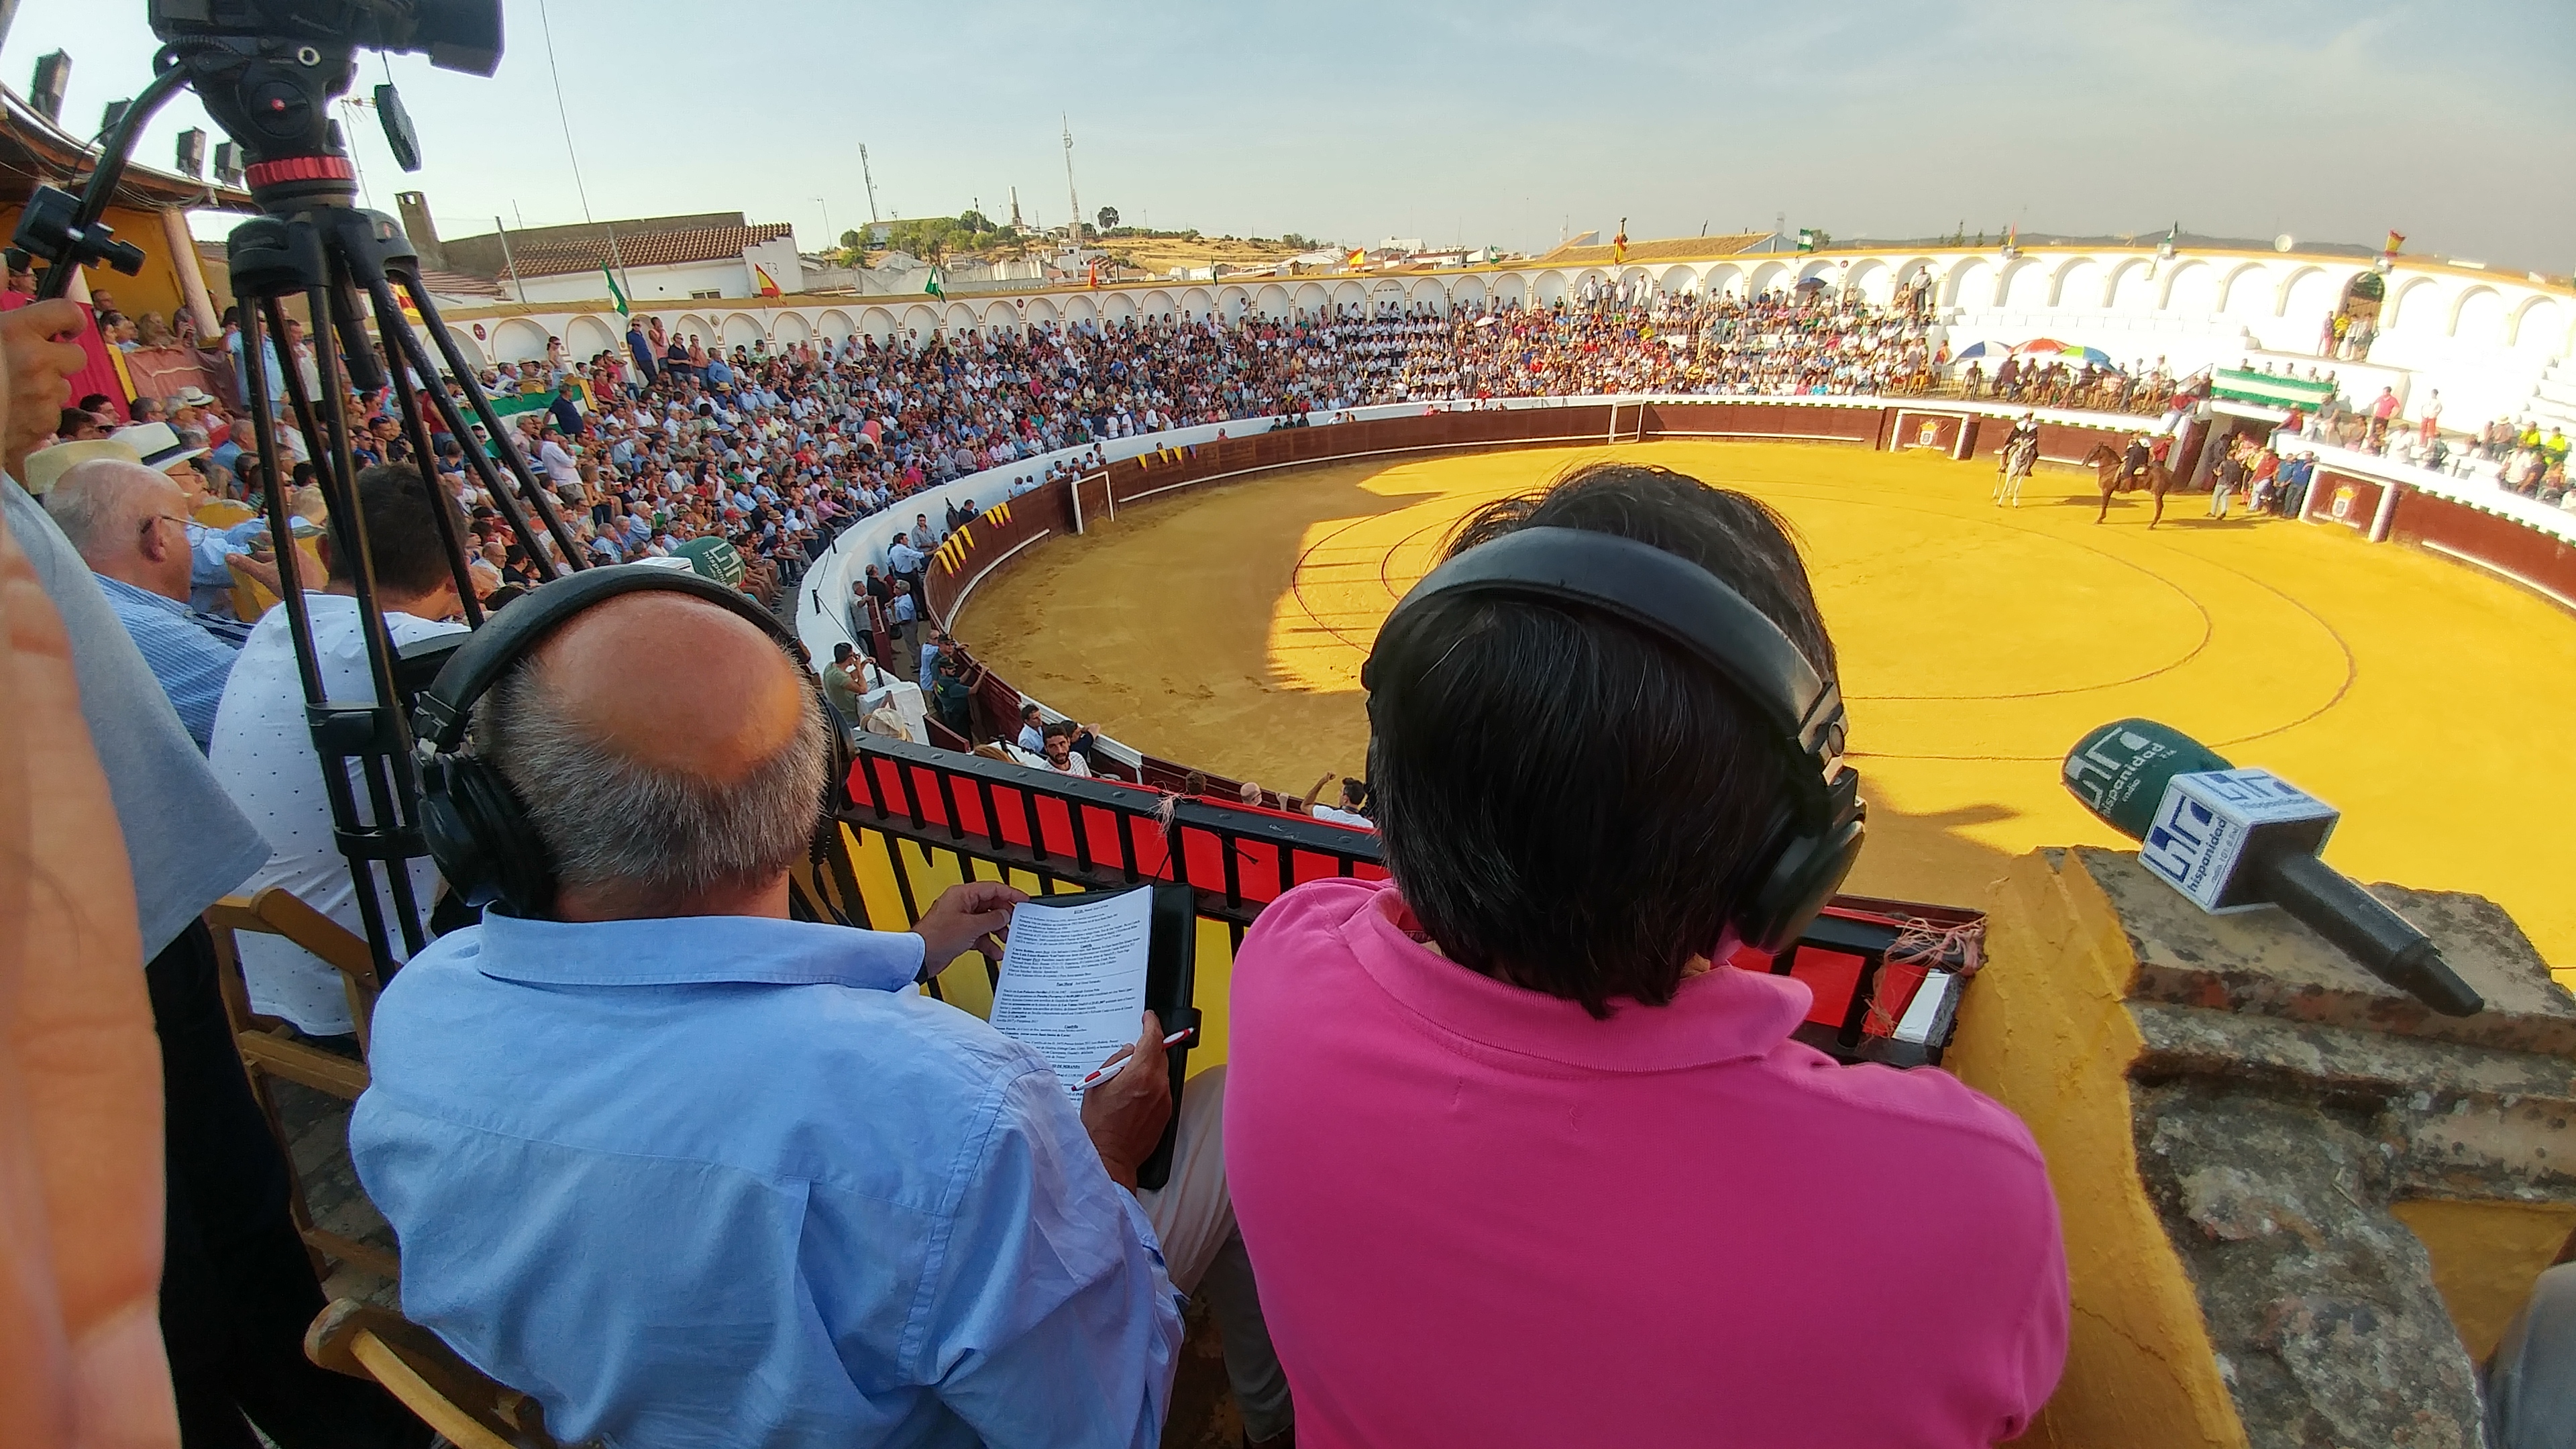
{"points": [[2048, 1034], [2485, 1256]]}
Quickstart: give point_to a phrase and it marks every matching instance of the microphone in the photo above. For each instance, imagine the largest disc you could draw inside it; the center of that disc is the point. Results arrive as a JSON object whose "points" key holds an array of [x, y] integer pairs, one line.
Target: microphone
{"points": [[2236, 840]]}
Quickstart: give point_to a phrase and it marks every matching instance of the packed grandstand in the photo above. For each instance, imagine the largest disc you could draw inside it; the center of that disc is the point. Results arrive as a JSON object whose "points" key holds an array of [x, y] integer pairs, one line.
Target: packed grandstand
{"points": [[777, 450]]}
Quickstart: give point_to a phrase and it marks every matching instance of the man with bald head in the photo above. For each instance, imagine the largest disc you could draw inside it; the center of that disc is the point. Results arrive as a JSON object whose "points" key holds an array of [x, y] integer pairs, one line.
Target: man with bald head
{"points": [[130, 524], [693, 1172]]}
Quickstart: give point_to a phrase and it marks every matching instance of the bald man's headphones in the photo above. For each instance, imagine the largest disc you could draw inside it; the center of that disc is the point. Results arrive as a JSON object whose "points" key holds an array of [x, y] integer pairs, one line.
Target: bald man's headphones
{"points": [[477, 828], [1814, 838]]}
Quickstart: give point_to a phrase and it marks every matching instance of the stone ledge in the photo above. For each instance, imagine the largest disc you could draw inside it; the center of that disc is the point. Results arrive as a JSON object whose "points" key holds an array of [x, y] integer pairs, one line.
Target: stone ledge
{"points": [[2264, 964]]}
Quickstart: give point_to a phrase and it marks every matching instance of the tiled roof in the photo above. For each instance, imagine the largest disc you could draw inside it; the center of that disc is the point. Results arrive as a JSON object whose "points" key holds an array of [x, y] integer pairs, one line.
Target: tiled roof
{"points": [[458, 284], [647, 249], [1678, 249]]}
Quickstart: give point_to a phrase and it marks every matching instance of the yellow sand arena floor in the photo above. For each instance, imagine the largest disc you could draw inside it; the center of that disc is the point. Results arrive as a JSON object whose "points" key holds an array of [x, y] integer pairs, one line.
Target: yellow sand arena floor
{"points": [[1226, 627]]}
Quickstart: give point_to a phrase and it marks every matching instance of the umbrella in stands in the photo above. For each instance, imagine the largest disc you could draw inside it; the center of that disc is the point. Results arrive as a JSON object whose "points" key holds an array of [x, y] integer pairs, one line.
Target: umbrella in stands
{"points": [[2050, 349], [1982, 349]]}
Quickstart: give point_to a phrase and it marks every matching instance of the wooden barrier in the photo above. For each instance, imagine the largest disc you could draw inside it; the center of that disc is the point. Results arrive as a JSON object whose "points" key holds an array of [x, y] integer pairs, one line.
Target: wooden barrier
{"points": [[2540, 562]]}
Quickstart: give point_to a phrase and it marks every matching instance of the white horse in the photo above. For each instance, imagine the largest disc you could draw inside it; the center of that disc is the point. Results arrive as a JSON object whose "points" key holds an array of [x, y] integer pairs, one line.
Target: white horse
{"points": [[2015, 470]]}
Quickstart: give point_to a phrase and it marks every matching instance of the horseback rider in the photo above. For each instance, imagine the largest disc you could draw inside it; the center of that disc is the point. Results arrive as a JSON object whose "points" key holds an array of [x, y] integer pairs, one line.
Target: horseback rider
{"points": [[2134, 463]]}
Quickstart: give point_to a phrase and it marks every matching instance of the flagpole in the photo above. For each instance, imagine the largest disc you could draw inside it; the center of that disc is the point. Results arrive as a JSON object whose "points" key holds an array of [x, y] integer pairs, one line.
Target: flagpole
{"points": [[509, 261]]}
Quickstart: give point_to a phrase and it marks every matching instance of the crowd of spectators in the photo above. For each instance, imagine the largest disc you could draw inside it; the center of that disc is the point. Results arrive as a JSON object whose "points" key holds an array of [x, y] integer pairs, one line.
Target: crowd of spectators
{"points": [[664, 441]]}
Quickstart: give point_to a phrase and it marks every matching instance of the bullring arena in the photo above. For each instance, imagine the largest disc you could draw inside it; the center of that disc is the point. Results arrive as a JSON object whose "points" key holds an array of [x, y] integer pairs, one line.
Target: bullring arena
{"points": [[2397, 638], [1226, 626]]}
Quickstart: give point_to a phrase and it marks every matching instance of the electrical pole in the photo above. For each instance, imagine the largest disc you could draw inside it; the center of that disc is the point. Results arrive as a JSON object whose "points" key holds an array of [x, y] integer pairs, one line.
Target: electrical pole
{"points": [[1070, 194], [872, 184]]}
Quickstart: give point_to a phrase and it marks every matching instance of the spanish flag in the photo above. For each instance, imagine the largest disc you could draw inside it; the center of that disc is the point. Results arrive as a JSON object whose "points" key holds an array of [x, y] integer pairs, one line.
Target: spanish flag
{"points": [[2396, 239], [768, 284], [1356, 260], [1619, 243]]}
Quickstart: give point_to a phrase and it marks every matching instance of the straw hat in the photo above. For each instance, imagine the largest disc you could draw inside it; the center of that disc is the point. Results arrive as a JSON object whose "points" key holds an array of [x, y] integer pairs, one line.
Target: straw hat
{"points": [[46, 466]]}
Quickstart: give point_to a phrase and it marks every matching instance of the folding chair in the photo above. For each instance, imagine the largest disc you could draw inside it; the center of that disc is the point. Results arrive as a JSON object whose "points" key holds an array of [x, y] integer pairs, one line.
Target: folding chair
{"points": [[416, 1366], [270, 1048]]}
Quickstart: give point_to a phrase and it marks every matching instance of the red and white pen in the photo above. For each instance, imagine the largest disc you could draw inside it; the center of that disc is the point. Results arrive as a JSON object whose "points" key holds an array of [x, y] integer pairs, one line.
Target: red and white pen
{"points": [[1110, 1069]]}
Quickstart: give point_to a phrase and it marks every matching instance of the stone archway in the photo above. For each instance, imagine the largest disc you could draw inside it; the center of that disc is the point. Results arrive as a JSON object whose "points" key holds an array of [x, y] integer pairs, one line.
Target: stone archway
{"points": [[517, 339], [586, 336]]}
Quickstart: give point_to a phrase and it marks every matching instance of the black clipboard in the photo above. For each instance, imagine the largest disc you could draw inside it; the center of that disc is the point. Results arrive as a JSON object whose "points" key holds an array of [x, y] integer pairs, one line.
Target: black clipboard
{"points": [[1171, 988]]}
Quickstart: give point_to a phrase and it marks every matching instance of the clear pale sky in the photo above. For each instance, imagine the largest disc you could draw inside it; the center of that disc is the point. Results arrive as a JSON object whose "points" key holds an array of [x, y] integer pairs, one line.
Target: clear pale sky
{"points": [[1503, 122]]}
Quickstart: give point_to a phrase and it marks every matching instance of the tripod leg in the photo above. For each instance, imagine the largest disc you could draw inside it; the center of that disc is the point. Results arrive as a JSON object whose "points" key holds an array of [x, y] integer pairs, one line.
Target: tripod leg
{"points": [[537, 496], [389, 320]]}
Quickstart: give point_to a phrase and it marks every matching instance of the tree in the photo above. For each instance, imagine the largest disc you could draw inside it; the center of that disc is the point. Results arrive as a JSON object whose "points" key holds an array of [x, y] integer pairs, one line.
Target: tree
{"points": [[850, 241]]}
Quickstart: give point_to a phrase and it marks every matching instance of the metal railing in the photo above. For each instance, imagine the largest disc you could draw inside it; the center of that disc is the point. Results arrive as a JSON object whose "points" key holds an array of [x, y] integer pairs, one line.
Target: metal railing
{"points": [[922, 817]]}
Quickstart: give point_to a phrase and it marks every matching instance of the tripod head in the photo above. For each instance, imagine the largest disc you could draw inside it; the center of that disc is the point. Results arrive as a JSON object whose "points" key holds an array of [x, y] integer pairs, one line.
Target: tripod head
{"points": [[267, 71]]}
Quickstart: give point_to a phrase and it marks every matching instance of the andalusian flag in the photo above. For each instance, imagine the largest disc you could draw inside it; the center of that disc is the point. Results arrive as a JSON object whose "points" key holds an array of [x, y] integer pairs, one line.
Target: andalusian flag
{"points": [[936, 285], [768, 284], [615, 292], [1619, 243], [1356, 260]]}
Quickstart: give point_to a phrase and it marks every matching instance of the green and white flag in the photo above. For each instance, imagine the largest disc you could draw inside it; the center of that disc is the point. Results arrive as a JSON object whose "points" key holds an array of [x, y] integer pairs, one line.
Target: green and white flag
{"points": [[616, 292], [934, 286]]}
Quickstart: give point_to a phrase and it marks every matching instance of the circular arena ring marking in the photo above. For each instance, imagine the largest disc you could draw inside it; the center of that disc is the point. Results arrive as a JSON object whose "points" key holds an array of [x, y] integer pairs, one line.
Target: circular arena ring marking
{"points": [[1225, 626]]}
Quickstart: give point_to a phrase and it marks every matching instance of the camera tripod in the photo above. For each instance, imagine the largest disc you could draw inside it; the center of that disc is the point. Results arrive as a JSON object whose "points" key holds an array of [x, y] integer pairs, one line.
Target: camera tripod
{"points": [[311, 240]]}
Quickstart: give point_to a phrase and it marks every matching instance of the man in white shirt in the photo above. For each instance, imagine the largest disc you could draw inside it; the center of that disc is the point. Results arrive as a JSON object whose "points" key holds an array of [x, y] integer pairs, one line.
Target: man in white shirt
{"points": [[1060, 753], [263, 749], [563, 470], [1032, 736]]}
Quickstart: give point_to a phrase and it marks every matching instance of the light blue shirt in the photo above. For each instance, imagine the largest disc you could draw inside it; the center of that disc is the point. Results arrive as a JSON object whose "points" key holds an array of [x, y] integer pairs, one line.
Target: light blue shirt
{"points": [[903, 558], [186, 842], [191, 663], [726, 1180], [210, 580]]}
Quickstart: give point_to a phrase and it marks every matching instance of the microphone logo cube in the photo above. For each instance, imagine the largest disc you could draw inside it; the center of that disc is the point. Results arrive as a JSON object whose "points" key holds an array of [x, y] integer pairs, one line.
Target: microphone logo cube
{"points": [[2214, 824]]}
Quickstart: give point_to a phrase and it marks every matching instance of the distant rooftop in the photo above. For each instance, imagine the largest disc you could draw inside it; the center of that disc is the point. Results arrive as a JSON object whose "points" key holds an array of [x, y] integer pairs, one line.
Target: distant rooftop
{"points": [[651, 241]]}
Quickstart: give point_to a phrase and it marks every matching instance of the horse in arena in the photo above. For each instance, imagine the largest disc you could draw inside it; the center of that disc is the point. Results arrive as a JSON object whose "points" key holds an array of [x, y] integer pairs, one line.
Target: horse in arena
{"points": [[2107, 469], [2015, 470]]}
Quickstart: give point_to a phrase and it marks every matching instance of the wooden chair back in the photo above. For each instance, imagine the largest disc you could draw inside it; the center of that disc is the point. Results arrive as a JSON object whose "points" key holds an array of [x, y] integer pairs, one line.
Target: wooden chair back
{"points": [[270, 1048], [460, 1401], [224, 513], [251, 598]]}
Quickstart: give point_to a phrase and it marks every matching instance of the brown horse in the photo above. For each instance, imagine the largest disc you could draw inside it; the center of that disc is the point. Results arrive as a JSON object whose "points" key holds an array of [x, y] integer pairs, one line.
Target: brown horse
{"points": [[2107, 467]]}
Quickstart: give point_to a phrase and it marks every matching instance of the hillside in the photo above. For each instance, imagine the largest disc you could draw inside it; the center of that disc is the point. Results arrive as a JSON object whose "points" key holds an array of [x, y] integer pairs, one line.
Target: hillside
{"points": [[1159, 254]]}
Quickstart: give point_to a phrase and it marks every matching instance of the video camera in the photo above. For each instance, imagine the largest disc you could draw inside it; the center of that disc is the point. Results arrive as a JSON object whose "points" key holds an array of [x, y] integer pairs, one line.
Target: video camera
{"points": [[267, 70]]}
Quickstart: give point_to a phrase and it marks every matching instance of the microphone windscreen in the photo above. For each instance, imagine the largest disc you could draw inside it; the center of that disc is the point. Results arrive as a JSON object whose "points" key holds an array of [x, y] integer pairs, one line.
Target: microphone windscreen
{"points": [[2120, 770]]}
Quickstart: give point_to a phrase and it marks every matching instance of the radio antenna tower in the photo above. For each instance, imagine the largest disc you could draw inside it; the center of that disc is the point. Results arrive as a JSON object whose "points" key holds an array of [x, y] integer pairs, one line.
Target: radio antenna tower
{"points": [[870, 180], [1070, 194]]}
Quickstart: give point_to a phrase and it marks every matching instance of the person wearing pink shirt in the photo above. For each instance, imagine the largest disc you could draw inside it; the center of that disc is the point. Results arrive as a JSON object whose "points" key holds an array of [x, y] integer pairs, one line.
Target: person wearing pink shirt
{"points": [[1517, 1164]]}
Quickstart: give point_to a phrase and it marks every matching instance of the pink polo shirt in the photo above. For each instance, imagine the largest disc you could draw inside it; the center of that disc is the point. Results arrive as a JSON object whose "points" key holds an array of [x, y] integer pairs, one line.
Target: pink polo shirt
{"points": [[1481, 1217]]}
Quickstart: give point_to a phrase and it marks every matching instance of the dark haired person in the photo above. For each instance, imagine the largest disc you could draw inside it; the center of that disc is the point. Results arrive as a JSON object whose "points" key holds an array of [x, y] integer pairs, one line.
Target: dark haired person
{"points": [[263, 749], [1519, 1164]]}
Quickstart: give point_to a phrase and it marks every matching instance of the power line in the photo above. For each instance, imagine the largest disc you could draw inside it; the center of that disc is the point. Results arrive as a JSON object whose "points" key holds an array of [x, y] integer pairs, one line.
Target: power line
{"points": [[545, 22]]}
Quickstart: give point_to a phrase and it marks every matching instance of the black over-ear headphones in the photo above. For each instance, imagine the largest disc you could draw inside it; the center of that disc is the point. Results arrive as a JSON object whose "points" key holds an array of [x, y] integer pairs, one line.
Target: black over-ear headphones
{"points": [[476, 827], [1812, 842]]}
